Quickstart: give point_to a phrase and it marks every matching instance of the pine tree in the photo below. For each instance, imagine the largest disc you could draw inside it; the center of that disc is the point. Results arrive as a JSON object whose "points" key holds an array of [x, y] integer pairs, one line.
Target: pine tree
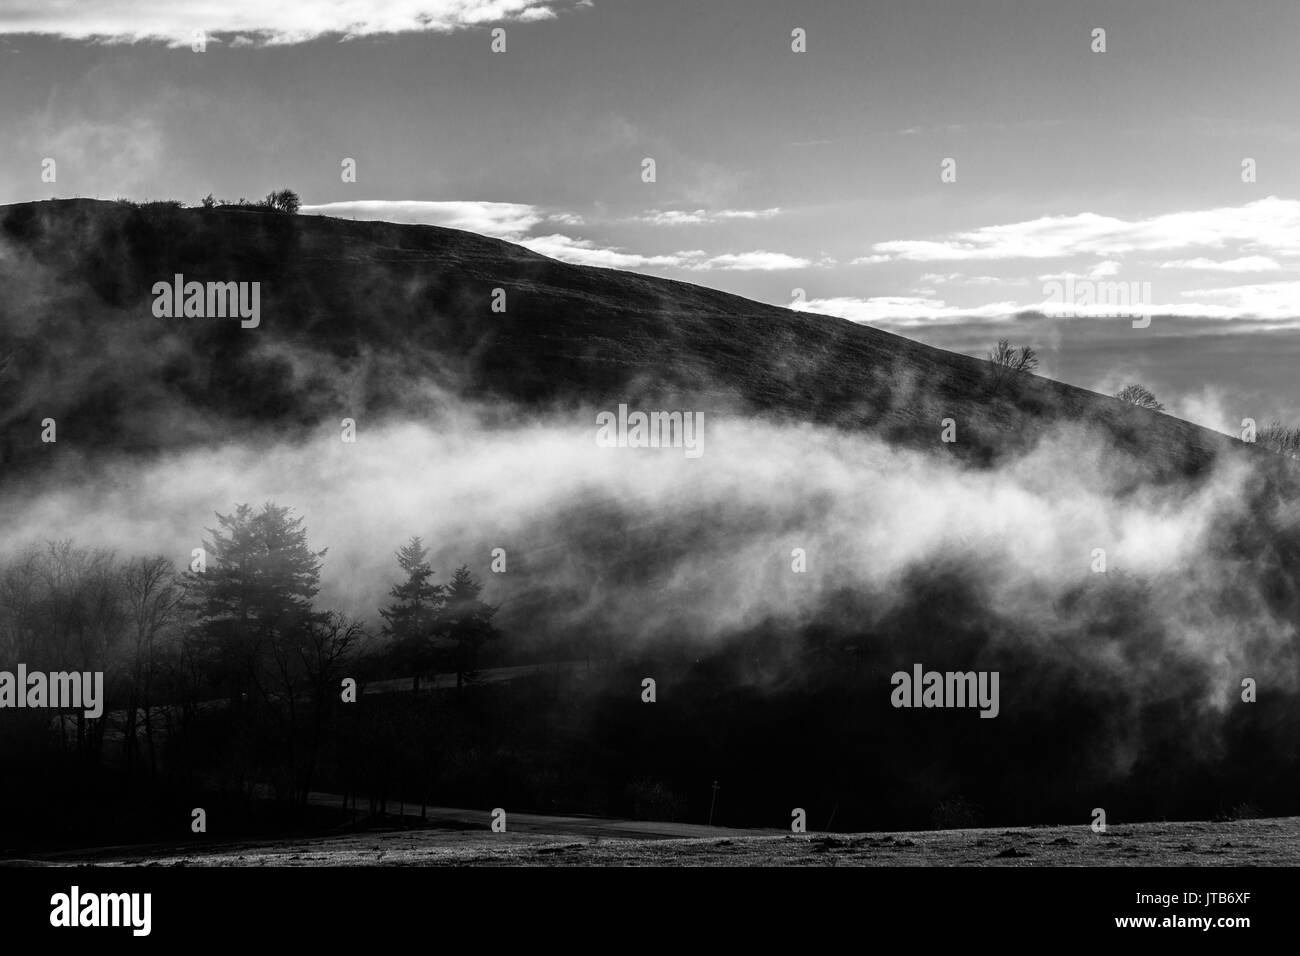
{"points": [[412, 620], [468, 622], [256, 591], [254, 602]]}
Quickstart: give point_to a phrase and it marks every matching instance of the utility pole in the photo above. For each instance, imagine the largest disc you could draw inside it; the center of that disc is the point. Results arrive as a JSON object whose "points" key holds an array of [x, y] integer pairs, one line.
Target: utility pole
{"points": [[713, 802]]}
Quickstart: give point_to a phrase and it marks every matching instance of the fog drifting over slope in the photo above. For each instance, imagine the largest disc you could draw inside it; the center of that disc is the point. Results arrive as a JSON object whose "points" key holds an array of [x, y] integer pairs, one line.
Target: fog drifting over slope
{"points": [[646, 543]]}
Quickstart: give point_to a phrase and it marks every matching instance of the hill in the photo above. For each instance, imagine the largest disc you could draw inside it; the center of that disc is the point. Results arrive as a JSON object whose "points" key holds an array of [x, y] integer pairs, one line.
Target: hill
{"points": [[1123, 574], [354, 314]]}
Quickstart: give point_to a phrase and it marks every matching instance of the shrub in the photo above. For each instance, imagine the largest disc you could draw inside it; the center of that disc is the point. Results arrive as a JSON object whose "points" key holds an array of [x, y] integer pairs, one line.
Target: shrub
{"points": [[285, 200], [1139, 396]]}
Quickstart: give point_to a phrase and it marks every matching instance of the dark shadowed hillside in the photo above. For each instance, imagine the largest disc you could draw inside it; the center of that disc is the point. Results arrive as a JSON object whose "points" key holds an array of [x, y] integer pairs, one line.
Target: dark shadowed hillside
{"points": [[359, 317]]}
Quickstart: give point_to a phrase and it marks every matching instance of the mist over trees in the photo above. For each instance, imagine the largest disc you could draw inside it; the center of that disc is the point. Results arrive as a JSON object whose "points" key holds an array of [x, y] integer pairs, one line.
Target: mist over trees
{"points": [[412, 620], [229, 688], [226, 685]]}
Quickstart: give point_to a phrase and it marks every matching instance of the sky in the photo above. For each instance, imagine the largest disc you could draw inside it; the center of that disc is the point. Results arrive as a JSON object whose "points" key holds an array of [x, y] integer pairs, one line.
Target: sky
{"points": [[952, 172]]}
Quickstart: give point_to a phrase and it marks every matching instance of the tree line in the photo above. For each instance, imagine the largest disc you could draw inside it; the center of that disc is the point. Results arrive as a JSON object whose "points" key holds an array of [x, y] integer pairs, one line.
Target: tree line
{"points": [[227, 674]]}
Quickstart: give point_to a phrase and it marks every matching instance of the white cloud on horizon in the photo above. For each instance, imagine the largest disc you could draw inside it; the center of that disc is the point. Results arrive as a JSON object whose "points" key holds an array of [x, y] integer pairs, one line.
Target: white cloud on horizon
{"points": [[587, 253], [257, 22], [1264, 300], [1270, 225], [1269, 302], [514, 221], [903, 310], [584, 252], [500, 220]]}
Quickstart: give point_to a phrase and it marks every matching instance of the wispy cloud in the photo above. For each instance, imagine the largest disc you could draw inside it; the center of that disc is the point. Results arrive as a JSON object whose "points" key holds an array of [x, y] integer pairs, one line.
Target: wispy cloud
{"points": [[903, 310], [565, 218], [1264, 300], [960, 278], [584, 252], [117, 156], [514, 222], [674, 217], [945, 128], [1243, 264], [501, 220], [1269, 302], [1270, 225], [1100, 270], [588, 253], [287, 21], [757, 261]]}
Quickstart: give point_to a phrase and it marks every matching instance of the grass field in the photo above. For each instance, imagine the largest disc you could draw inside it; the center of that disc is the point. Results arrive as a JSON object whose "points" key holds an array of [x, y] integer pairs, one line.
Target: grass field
{"points": [[463, 838]]}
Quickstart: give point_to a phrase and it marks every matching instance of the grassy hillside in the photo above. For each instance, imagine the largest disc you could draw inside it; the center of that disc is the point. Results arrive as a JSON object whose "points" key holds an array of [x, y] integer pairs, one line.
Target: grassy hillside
{"points": [[357, 314]]}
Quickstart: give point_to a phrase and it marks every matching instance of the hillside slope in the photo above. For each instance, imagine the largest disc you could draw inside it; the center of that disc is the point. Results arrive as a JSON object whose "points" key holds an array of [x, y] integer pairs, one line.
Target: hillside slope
{"points": [[366, 318]]}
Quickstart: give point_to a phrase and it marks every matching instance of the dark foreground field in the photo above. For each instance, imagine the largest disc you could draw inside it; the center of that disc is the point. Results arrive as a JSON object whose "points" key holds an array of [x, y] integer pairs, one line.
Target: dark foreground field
{"points": [[463, 838]]}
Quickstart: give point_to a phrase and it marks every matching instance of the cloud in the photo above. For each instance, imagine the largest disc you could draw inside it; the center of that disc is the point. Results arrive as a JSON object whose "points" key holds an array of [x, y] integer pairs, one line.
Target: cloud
{"points": [[757, 261], [513, 222], [113, 157], [902, 310], [1264, 300], [565, 218], [1101, 270], [658, 217], [1266, 225], [501, 220], [1243, 264], [584, 252], [253, 21], [943, 128], [941, 278]]}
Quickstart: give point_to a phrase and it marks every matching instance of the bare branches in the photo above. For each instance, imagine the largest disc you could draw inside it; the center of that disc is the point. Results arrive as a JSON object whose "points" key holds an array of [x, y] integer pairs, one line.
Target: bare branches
{"points": [[1139, 396], [1008, 360]]}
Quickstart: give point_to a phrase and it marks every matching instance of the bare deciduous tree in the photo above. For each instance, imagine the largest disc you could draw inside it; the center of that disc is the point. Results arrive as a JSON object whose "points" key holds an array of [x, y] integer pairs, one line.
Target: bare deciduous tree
{"points": [[154, 604], [1008, 360], [1139, 396]]}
